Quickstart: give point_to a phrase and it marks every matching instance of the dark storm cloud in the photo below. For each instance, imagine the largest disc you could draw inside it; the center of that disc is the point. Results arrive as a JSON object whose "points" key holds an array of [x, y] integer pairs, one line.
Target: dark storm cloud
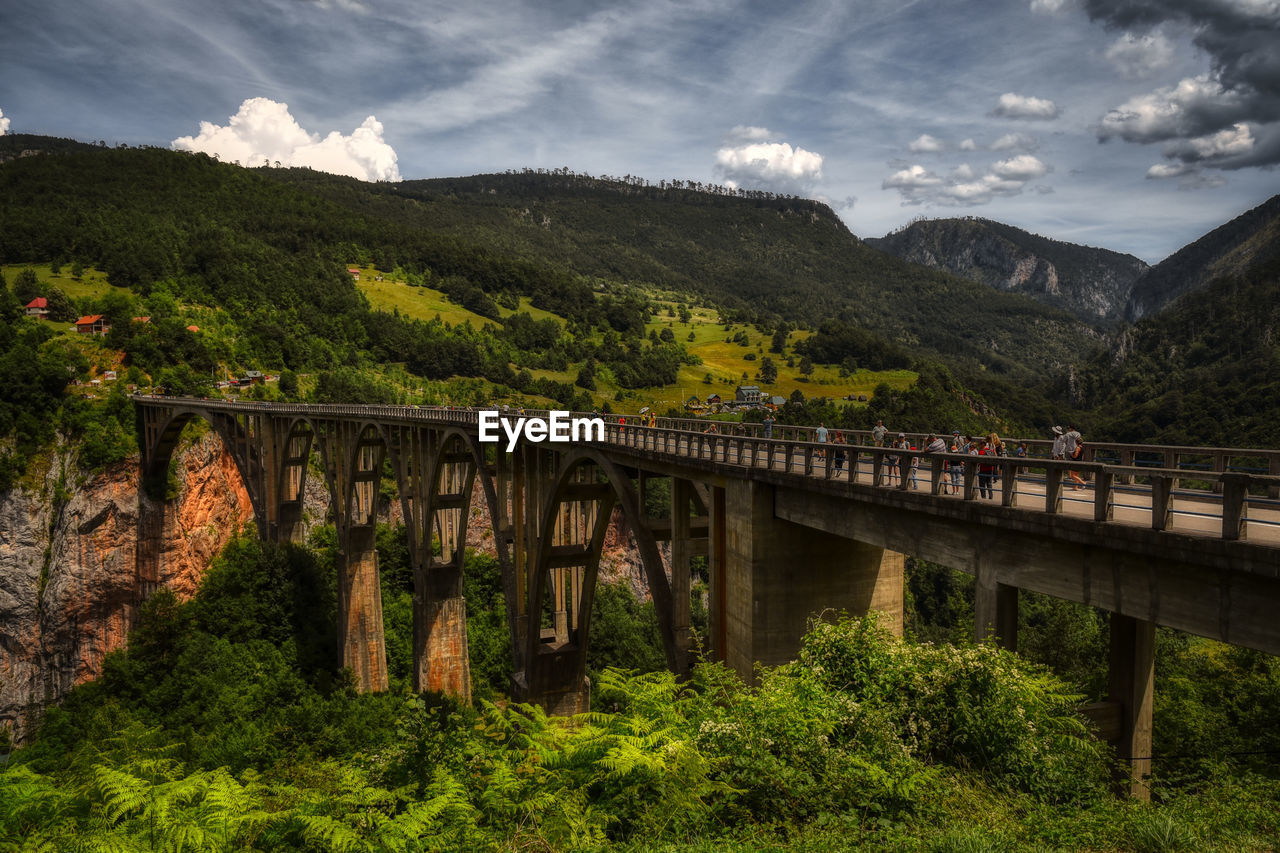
{"points": [[1242, 42]]}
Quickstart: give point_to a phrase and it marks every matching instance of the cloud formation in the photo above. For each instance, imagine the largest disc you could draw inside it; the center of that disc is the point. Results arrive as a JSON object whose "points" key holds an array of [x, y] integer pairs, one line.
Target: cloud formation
{"points": [[264, 132], [1228, 118], [1140, 56], [1016, 142], [924, 143], [4, 124], [1011, 105], [773, 166], [964, 187]]}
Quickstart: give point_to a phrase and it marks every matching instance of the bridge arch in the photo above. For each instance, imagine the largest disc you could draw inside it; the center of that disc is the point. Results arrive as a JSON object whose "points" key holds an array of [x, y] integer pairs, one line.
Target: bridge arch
{"points": [[564, 566], [162, 435]]}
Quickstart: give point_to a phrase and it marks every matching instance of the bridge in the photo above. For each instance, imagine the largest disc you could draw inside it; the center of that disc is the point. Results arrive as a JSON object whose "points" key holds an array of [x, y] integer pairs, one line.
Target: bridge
{"points": [[1179, 536]]}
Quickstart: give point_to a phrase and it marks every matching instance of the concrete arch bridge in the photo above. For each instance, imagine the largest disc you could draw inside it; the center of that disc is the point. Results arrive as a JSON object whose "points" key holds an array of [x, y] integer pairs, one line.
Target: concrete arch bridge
{"points": [[1183, 537]]}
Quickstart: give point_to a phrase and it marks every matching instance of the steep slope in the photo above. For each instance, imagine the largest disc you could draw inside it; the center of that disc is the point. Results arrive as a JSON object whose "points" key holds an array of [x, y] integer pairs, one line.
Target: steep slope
{"points": [[1091, 283], [1206, 370], [761, 257], [1248, 240]]}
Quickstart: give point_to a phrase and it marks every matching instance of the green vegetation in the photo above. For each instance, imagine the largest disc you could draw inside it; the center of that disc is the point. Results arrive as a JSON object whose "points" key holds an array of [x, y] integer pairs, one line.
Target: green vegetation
{"points": [[1205, 371], [225, 727]]}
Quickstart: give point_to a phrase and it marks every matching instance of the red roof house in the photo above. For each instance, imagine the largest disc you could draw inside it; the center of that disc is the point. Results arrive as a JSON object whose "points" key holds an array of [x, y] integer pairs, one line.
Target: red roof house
{"points": [[38, 307], [93, 324]]}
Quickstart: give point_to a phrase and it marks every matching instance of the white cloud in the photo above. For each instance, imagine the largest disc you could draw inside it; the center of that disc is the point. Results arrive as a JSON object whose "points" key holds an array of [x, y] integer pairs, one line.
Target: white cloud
{"points": [[1011, 105], [1022, 168], [912, 178], [263, 131], [4, 124], [963, 187], [773, 166], [1016, 141], [968, 145], [924, 143], [1168, 170], [1048, 6], [749, 133], [1139, 56], [1190, 108], [1225, 143]]}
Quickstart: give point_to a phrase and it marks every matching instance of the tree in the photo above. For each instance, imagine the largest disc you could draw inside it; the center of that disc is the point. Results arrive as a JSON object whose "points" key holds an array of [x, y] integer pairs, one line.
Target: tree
{"points": [[779, 342], [27, 286], [806, 366], [667, 336], [768, 371], [587, 376], [288, 383]]}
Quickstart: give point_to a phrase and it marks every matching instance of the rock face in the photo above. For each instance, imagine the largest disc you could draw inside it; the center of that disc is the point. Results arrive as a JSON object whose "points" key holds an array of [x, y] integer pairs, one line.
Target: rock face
{"points": [[1251, 239], [1091, 283], [73, 574]]}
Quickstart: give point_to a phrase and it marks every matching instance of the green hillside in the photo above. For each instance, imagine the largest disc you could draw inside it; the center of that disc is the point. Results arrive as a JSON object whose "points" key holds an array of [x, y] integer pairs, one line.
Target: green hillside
{"points": [[1204, 371]]}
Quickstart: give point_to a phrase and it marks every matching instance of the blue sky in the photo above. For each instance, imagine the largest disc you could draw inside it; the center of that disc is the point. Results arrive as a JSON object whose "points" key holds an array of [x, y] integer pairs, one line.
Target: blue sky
{"points": [[1137, 125]]}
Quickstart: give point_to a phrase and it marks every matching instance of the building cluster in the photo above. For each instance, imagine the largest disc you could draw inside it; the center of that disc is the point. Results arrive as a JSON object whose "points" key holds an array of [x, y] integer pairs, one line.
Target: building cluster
{"points": [[745, 397]]}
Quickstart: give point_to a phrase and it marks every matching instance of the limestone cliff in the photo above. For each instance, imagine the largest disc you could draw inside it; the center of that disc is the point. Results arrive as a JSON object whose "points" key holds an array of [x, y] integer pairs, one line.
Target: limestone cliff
{"points": [[75, 564], [1093, 284]]}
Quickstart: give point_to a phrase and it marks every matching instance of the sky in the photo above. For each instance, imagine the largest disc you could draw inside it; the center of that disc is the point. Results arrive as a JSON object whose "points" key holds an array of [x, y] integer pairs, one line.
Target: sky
{"points": [[1135, 125]]}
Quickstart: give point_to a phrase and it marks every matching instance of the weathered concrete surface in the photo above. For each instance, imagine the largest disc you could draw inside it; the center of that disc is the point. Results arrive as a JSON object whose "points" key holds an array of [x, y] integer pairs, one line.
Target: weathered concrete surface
{"points": [[1223, 590], [59, 619], [779, 574]]}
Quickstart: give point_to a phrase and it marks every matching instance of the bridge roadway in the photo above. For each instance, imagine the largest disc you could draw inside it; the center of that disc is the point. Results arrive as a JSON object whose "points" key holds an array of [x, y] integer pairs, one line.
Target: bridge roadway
{"points": [[1183, 537]]}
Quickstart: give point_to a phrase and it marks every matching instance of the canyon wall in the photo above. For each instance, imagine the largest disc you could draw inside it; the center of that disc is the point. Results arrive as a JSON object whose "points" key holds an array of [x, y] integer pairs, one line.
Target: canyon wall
{"points": [[70, 574]]}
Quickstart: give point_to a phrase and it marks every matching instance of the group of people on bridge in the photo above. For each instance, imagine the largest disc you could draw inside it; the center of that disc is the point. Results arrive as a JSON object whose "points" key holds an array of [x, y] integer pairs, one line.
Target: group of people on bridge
{"points": [[902, 470]]}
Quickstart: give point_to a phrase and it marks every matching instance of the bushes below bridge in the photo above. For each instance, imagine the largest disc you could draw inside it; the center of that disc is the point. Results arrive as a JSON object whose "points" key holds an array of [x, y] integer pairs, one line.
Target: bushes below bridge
{"points": [[225, 726]]}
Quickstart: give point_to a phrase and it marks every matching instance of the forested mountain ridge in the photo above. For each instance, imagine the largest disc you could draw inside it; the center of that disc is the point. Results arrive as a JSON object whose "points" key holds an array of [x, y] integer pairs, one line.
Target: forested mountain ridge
{"points": [[758, 255], [150, 214], [1204, 371], [1091, 283], [1251, 239]]}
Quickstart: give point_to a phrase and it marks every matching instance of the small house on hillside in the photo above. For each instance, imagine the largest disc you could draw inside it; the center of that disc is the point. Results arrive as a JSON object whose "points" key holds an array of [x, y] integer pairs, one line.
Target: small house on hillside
{"points": [[255, 377], [355, 273], [38, 308], [146, 319], [777, 402], [110, 375], [93, 324], [750, 394], [714, 400], [693, 404]]}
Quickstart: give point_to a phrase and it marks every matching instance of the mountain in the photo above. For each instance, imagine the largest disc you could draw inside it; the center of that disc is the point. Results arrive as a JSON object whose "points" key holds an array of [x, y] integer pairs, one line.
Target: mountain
{"points": [[560, 239], [1203, 371], [1250, 239], [1093, 284]]}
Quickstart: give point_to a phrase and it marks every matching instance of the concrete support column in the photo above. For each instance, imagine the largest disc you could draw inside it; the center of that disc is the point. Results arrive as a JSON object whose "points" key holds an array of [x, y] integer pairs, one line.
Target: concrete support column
{"points": [[287, 526], [441, 661], [681, 582], [995, 614], [779, 574], [1132, 687], [360, 633], [717, 565]]}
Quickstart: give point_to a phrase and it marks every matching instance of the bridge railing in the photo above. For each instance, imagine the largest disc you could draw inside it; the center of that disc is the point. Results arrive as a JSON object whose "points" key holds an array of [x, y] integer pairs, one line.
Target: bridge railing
{"points": [[1206, 486]]}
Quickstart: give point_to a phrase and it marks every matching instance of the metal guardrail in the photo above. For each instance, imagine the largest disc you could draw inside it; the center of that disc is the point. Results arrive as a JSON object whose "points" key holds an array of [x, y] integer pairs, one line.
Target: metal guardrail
{"points": [[1008, 480]]}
